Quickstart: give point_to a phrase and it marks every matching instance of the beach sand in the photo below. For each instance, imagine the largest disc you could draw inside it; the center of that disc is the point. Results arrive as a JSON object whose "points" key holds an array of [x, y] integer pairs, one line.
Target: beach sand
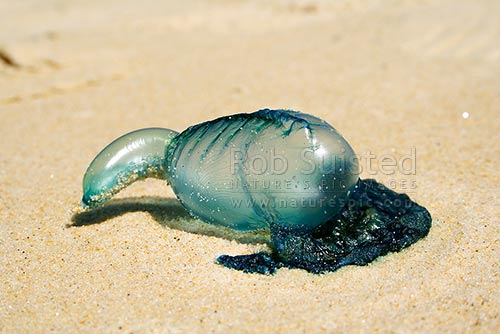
{"points": [[391, 76]]}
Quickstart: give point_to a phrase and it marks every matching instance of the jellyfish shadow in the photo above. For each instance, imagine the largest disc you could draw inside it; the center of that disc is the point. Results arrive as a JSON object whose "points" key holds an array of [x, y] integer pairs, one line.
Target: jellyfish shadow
{"points": [[168, 212]]}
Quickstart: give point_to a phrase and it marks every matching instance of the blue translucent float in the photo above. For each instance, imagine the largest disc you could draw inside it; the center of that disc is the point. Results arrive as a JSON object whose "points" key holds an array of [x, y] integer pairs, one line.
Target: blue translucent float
{"points": [[282, 170], [242, 171]]}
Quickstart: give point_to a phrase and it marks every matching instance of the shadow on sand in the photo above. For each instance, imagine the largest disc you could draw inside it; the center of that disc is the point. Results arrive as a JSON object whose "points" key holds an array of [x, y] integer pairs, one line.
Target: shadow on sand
{"points": [[168, 212]]}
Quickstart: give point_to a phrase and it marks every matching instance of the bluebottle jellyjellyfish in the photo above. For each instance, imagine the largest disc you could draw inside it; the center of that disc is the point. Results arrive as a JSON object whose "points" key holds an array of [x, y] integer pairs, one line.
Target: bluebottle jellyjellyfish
{"points": [[285, 171]]}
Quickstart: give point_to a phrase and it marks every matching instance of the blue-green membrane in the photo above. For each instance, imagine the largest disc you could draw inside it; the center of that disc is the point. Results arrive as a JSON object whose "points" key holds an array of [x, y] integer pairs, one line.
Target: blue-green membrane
{"points": [[248, 170], [242, 171], [134, 156]]}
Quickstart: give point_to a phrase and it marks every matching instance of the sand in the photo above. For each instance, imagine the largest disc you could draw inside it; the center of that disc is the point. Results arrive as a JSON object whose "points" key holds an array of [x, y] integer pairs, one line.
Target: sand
{"points": [[391, 76]]}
